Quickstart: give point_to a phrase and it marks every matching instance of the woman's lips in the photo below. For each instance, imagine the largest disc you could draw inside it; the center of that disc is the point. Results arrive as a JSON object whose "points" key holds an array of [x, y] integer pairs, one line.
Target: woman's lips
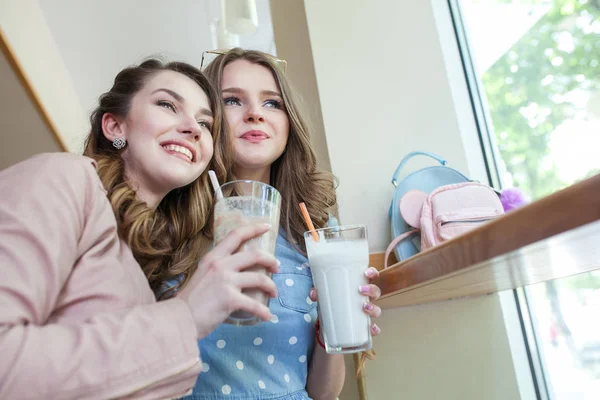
{"points": [[254, 136]]}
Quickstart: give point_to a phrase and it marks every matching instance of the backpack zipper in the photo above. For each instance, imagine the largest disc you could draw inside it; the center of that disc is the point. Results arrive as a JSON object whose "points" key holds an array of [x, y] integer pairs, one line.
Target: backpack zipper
{"points": [[467, 221]]}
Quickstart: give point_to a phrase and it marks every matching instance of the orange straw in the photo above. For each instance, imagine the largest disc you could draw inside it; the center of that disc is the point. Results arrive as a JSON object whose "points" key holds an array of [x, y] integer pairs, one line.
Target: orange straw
{"points": [[308, 221]]}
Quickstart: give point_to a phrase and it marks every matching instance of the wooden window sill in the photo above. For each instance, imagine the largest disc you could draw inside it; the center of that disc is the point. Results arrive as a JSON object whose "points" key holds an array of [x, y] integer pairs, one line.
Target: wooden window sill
{"points": [[554, 237]]}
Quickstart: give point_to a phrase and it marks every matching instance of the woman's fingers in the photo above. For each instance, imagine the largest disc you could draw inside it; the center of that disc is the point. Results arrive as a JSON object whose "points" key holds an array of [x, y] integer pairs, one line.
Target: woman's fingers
{"points": [[372, 273], [371, 309], [375, 330], [256, 280], [248, 259], [372, 291], [248, 304], [234, 239]]}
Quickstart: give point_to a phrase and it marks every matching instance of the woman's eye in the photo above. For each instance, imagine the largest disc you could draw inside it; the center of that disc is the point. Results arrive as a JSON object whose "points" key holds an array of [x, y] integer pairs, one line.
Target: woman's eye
{"points": [[273, 104], [167, 104], [205, 124], [232, 101]]}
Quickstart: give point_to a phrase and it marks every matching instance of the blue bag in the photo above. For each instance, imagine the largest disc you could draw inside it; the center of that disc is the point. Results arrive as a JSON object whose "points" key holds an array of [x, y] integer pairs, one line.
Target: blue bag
{"points": [[425, 179]]}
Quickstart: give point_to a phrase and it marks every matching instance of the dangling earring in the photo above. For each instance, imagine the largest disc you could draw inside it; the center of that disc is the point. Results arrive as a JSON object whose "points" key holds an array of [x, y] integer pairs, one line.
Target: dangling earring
{"points": [[119, 143]]}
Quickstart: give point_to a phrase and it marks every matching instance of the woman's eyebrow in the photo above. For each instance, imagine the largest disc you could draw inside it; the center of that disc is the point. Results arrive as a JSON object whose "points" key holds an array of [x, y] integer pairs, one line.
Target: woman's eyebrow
{"points": [[175, 95], [263, 92]]}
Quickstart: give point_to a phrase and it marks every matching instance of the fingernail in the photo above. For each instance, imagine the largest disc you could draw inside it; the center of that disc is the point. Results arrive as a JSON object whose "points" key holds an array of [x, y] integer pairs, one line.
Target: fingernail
{"points": [[370, 273], [368, 306], [312, 293], [363, 289], [278, 263], [267, 225], [376, 329]]}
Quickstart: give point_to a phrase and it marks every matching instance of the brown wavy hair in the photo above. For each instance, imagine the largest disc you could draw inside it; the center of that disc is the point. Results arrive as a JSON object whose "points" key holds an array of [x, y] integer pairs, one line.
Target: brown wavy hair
{"points": [[295, 173], [167, 242]]}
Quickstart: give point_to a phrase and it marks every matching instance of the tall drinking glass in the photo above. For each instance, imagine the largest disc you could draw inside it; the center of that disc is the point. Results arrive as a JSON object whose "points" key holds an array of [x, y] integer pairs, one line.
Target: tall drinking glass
{"points": [[243, 203], [338, 261]]}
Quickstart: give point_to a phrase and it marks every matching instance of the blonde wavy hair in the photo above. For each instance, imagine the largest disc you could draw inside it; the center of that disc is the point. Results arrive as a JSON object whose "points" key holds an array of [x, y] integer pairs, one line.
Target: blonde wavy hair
{"points": [[295, 173], [167, 242]]}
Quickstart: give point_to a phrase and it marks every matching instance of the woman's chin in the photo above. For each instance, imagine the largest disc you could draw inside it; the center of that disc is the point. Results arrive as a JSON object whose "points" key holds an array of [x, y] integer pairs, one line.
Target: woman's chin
{"points": [[254, 161]]}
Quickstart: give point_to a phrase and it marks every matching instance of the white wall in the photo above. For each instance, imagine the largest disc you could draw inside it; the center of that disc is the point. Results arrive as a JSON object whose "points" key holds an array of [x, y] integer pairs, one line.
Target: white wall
{"points": [[450, 350], [384, 92]]}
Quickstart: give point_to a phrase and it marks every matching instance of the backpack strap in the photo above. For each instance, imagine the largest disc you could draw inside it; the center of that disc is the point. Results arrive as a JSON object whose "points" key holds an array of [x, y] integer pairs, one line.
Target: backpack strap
{"points": [[394, 243], [411, 155]]}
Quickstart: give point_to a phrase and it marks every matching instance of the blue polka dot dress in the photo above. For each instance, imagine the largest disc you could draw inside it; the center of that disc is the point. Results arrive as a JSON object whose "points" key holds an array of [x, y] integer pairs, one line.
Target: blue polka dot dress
{"points": [[268, 360]]}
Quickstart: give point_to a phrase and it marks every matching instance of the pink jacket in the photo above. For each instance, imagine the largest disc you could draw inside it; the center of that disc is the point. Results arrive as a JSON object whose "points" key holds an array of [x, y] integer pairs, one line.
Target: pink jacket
{"points": [[77, 317]]}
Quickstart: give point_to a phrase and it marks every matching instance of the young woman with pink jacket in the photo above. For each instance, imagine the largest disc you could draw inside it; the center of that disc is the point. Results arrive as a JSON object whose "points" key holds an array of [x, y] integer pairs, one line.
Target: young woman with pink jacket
{"points": [[81, 237]]}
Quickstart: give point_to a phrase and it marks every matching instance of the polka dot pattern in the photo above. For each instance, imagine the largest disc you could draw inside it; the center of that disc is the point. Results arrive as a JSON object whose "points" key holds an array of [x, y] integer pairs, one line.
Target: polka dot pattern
{"points": [[264, 358]]}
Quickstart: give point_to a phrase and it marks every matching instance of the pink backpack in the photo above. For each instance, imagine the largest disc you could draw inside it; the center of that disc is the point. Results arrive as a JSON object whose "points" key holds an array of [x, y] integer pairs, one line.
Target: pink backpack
{"points": [[447, 212]]}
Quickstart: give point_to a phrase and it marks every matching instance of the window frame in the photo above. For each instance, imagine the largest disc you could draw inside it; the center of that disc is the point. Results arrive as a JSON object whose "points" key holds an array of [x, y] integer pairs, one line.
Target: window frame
{"points": [[491, 155]]}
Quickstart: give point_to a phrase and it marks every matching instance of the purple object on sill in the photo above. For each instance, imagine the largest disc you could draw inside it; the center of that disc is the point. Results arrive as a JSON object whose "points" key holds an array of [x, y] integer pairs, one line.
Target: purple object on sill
{"points": [[512, 198]]}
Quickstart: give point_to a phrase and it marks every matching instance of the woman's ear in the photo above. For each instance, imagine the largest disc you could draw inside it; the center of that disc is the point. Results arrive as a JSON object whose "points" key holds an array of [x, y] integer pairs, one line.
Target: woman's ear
{"points": [[112, 127]]}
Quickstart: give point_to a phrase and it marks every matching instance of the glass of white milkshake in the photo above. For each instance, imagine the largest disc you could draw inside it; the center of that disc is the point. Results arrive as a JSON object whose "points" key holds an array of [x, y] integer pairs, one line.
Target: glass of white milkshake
{"points": [[338, 261], [243, 203]]}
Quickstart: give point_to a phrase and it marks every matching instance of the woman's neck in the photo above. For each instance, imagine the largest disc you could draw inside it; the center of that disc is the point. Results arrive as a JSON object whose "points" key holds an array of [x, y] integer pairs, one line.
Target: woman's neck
{"points": [[258, 174], [152, 198]]}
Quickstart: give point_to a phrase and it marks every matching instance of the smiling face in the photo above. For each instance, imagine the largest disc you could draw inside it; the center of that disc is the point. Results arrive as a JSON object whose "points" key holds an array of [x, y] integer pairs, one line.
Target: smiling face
{"points": [[254, 109], [168, 134]]}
